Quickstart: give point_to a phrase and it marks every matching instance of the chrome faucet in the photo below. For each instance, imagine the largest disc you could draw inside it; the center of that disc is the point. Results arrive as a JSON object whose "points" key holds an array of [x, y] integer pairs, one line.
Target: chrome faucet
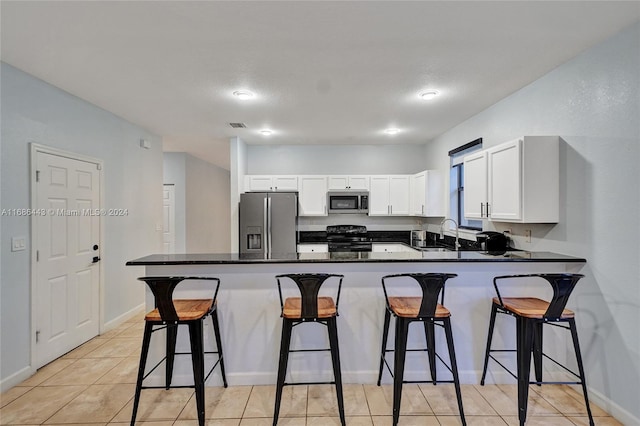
{"points": [[457, 243]]}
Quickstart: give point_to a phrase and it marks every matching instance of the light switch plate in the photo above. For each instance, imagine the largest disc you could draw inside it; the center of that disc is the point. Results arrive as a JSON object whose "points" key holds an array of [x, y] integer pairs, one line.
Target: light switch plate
{"points": [[18, 243]]}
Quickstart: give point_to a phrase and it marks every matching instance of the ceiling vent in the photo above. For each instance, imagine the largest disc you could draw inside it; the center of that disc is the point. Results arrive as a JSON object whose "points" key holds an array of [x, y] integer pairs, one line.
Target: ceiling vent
{"points": [[238, 125]]}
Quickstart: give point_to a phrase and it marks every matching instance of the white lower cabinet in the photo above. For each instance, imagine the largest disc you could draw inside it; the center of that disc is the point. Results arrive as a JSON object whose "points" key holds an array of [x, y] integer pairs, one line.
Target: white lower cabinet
{"points": [[313, 248], [391, 248]]}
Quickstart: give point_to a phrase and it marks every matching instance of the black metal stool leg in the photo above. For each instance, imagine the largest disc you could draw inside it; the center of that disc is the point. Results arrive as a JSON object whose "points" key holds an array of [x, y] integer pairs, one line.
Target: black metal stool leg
{"points": [[197, 360], [335, 359], [172, 336], [537, 350], [429, 330], [400, 352], [524, 348], [454, 367], [287, 325], [576, 347], [216, 332], [385, 335], [146, 339], [492, 323]]}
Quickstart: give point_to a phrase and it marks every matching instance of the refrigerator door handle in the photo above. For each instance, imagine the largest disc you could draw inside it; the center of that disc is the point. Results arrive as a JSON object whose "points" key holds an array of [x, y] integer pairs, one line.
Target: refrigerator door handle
{"points": [[268, 228], [265, 225]]}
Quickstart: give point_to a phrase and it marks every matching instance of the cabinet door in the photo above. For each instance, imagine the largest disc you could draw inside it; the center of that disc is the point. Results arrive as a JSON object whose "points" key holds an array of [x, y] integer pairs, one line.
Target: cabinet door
{"points": [[475, 185], [504, 164], [418, 194], [338, 182], [313, 195], [313, 248], [399, 199], [379, 196], [359, 182], [258, 183], [285, 183]]}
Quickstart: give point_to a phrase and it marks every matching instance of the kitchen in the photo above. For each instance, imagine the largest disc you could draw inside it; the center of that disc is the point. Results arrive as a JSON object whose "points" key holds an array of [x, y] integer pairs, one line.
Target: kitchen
{"points": [[597, 222]]}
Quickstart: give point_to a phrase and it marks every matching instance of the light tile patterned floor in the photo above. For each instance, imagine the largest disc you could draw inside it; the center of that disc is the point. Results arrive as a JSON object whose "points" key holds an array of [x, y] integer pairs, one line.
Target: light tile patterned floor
{"points": [[94, 385]]}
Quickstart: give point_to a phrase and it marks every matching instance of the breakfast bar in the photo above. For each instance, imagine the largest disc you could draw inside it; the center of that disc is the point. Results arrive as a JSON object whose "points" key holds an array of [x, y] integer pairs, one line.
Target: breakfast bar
{"points": [[249, 309]]}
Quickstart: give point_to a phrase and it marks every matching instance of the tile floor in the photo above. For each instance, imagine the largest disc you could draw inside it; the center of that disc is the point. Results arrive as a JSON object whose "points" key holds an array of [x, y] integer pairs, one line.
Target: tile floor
{"points": [[94, 385]]}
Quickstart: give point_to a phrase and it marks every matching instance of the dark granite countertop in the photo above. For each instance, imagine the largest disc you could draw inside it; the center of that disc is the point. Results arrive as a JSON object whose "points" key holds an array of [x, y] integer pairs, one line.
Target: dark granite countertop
{"points": [[354, 257]]}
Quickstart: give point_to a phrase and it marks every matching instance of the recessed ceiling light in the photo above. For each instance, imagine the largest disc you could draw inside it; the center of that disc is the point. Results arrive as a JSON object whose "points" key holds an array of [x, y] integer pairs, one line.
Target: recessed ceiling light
{"points": [[428, 95], [392, 131], [266, 132], [243, 94]]}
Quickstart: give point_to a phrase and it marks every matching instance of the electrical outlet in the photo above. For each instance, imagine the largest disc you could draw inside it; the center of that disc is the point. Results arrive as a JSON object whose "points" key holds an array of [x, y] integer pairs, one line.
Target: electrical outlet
{"points": [[527, 235], [18, 243]]}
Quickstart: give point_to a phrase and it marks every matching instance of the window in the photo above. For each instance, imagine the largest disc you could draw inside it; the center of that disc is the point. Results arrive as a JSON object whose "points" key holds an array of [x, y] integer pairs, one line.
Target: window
{"points": [[456, 182]]}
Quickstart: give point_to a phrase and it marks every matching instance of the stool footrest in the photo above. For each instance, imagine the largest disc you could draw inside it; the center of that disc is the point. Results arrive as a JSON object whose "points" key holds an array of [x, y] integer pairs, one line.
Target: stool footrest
{"points": [[308, 383], [309, 350]]}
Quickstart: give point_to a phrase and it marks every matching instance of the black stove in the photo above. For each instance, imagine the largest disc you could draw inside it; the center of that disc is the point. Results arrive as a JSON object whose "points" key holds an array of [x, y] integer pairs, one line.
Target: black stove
{"points": [[348, 238]]}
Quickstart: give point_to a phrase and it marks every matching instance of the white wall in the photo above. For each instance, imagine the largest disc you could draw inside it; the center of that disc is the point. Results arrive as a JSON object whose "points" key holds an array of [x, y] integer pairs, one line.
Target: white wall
{"points": [[202, 203], [208, 207], [335, 159], [174, 174], [593, 103], [33, 111]]}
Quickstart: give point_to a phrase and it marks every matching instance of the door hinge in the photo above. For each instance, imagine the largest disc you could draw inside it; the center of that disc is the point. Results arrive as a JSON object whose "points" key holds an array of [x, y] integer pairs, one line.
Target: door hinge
{"points": [[37, 175], [37, 255], [37, 335]]}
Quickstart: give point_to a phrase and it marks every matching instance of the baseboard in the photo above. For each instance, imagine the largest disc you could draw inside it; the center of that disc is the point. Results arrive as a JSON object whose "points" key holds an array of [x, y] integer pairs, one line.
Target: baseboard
{"points": [[619, 413], [16, 378], [122, 318]]}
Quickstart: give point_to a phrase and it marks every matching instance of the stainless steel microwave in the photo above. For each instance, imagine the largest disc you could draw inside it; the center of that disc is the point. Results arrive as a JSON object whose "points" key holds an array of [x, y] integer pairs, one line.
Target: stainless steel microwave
{"points": [[348, 202]]}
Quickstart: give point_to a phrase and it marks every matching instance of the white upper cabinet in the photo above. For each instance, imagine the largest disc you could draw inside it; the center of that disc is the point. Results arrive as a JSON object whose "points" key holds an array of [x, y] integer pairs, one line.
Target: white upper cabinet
{"points": [[521, 181], [312, 197], [475, 185], [428, 194], [389, 195], [339, 182], [270, 183]]}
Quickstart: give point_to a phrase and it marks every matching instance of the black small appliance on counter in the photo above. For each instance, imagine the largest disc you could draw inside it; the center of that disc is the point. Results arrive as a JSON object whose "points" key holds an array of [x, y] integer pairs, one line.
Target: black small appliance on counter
{"points": [[493, 241]]}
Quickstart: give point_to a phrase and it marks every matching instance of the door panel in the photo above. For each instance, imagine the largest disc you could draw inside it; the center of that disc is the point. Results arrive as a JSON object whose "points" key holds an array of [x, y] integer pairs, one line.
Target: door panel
{"points": [[67, 280], [169, 220]]}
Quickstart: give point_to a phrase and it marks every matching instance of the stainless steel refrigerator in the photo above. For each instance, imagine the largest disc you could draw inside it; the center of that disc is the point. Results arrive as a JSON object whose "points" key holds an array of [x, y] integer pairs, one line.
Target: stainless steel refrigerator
{"points": [[268, 223]]}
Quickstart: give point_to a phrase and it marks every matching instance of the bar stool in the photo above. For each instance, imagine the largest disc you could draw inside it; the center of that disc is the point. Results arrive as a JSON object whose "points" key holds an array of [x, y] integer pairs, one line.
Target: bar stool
{"points": [[310, 307], [531, 314], [169, 314], [427, 310]]}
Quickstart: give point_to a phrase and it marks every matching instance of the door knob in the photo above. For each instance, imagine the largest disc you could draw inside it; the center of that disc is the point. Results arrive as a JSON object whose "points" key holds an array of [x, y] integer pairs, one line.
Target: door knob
{"points": [[96, 259]]}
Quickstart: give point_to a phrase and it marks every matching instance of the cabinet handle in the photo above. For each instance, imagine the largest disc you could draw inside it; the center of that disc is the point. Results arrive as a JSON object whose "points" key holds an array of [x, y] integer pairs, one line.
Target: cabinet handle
{"points": [[423, 209], [488, 210], [481, 209], [391, 208]]}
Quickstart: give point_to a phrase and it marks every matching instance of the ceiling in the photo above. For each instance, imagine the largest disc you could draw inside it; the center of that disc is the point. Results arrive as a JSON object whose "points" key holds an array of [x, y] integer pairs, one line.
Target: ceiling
{"points": [[322, 72]]}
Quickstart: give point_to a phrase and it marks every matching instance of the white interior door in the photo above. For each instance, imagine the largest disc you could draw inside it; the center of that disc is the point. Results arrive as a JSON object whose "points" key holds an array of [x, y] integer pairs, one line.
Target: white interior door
{"points": [[169, 218], [67, 240]]}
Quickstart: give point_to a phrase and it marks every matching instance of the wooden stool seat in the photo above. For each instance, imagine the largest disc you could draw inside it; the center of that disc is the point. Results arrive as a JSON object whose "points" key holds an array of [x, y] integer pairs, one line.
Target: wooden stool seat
{"points": [[187, 310], [293, 307], [409, 307], [529, 307]]}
